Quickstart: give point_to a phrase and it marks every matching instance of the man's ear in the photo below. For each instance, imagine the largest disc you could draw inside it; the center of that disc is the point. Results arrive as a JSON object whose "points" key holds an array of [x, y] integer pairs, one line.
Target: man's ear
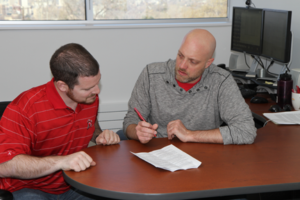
{"points": [[62, 86], [208, 63]]}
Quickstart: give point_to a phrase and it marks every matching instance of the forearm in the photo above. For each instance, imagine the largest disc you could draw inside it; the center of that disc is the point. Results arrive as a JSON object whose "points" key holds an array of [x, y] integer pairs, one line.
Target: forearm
{"points": [[240, 132], [131, 132], [207, 136], [97, 131], [29, 167]]}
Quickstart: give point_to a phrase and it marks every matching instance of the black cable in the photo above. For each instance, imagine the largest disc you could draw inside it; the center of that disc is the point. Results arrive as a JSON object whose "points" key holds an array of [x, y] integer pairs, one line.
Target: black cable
{"points": [[246, 59], [261, 62], [271, 63], [258, 61], [286, 65]]}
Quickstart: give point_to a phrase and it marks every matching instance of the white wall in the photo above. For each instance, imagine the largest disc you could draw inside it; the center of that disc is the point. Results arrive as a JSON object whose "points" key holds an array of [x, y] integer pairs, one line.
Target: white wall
{"points": [[122, 53]]}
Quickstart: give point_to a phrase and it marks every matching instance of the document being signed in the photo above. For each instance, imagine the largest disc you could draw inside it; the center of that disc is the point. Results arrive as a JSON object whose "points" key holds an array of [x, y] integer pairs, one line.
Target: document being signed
{"points": [[169, 158]]}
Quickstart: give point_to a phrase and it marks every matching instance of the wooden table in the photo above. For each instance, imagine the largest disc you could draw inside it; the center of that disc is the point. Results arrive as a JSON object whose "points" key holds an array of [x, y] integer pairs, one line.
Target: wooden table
{"points": [[272, 163]]}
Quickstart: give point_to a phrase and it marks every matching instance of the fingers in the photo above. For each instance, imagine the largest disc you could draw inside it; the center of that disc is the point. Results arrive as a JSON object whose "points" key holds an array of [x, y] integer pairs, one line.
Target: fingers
{"points": [[170, 131], [175, 128], [108, 137], [78, 161], [146, 131]]}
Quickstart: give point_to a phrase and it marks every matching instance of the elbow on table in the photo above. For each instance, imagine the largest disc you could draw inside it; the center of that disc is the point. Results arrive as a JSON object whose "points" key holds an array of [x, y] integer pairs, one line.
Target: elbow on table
{"points": [[248, 138], [239, 136]]}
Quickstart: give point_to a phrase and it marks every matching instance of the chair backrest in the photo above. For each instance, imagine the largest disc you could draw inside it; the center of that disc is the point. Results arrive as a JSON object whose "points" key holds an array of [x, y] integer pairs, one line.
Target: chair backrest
{"points": [[3, 105]]}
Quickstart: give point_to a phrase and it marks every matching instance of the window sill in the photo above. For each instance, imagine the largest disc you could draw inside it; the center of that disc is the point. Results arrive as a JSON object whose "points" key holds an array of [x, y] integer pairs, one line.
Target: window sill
{"points": [[21, 25]]}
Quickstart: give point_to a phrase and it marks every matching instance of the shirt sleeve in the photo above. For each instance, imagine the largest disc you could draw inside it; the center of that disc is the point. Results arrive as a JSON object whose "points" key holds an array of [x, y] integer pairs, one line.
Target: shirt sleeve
{"points": [[16, 133], [236, 114], [139, 99]]}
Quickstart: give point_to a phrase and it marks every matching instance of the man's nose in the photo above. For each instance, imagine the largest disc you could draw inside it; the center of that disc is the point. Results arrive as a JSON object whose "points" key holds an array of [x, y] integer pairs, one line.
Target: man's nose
{"points": [[183, 64], [96, 89]]}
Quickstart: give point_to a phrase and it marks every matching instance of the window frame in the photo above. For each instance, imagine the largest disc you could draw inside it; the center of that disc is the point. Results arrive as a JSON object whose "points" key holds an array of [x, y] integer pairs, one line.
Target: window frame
{"points": [[90, 23]]}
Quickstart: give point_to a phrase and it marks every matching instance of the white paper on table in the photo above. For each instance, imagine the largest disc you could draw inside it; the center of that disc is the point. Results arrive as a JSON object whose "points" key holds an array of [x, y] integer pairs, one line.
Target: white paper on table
{"points": [[169, 158], [290, 117]]}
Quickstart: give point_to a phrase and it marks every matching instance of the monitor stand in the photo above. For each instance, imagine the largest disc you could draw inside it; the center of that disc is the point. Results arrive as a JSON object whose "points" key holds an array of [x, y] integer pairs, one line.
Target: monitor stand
{"points": [[273, 78], [252, 71]]}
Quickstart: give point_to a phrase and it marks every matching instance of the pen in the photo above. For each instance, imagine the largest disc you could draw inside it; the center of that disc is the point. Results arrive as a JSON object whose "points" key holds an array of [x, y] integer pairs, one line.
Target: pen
{"points": [[139, 114]]}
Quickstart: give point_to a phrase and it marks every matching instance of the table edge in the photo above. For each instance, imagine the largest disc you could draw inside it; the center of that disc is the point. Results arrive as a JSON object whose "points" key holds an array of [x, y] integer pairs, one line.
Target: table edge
{"points": [[182, 195]]}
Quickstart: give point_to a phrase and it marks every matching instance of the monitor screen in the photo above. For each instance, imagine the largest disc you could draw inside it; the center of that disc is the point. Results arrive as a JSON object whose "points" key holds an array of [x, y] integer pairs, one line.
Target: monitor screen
{"points": [[277, 35], [246, 33]]}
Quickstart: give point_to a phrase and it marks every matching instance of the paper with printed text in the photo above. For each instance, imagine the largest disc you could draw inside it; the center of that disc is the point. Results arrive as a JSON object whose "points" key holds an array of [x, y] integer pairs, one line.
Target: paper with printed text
{"points": [[290, 117], [169, 158]]}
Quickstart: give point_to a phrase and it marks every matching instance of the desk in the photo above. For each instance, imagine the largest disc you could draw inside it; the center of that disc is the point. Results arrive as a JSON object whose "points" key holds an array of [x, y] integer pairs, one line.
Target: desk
{"points": [[272, 163]]}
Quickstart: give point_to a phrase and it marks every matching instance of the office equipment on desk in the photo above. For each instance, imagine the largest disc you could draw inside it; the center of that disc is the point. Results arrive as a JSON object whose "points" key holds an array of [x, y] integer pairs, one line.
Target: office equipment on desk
{"points": [[296, 100], [284, 89], [233, 62], [271, 81], [277, 108], [262, 87], [277, 37], [254, 32], [247, 93], [258, 99]]}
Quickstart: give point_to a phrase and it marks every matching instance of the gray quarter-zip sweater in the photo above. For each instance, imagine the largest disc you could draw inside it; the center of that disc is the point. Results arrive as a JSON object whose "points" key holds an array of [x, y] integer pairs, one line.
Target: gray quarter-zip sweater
{"points": [[212, 101]]}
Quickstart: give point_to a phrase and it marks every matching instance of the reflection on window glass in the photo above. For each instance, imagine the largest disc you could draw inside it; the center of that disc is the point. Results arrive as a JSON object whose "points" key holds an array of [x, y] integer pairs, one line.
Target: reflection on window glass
{"points": [[29, 10], [158, 9]]}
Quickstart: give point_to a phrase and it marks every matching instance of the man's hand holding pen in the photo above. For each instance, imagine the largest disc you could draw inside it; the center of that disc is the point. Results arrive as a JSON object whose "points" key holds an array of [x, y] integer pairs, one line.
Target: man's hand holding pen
{"points": [[146, 131]]}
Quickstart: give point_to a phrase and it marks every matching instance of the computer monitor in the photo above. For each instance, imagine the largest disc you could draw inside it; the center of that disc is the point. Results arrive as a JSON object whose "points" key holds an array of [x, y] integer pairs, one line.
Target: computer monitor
{"points": [[247, 30], [277, 35], [261, 32]]}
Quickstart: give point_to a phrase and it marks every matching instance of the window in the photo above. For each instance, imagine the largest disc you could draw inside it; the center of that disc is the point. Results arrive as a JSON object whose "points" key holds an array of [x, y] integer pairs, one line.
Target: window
{"points": [[110, 11], [158, 9], [36, 10]]}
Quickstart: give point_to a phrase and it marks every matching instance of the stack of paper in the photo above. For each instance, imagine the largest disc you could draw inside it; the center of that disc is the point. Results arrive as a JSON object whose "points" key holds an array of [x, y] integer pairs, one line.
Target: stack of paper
{"points": [[169, 158], [290, 117]]}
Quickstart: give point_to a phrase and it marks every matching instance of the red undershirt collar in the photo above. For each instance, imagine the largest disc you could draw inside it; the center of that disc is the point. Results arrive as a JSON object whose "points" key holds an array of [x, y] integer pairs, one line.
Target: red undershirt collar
{"points": [[187, 86]]}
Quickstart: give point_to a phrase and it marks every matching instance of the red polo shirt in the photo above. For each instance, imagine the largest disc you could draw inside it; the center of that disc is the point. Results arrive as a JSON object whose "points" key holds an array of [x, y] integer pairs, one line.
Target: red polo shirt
{"points": [[39, 123]]}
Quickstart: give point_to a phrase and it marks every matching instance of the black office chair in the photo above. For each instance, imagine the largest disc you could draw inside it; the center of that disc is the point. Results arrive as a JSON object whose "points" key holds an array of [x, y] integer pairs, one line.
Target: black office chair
{"points": [[121, 135], [258, 120], [3, 105], [4, 195]]}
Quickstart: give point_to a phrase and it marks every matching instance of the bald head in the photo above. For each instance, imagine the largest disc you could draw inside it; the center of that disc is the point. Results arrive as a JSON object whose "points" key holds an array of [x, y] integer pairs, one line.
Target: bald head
{"points": [[194, 56], [201, 41]]}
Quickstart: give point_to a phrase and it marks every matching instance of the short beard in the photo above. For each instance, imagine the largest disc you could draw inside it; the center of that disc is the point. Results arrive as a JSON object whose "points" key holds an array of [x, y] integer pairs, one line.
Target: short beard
{"points": [[186, 80], [71, 96]]}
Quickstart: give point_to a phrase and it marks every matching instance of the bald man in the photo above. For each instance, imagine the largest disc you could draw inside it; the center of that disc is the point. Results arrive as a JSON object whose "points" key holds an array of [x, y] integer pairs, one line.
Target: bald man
{"points": [[189, 98]]}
